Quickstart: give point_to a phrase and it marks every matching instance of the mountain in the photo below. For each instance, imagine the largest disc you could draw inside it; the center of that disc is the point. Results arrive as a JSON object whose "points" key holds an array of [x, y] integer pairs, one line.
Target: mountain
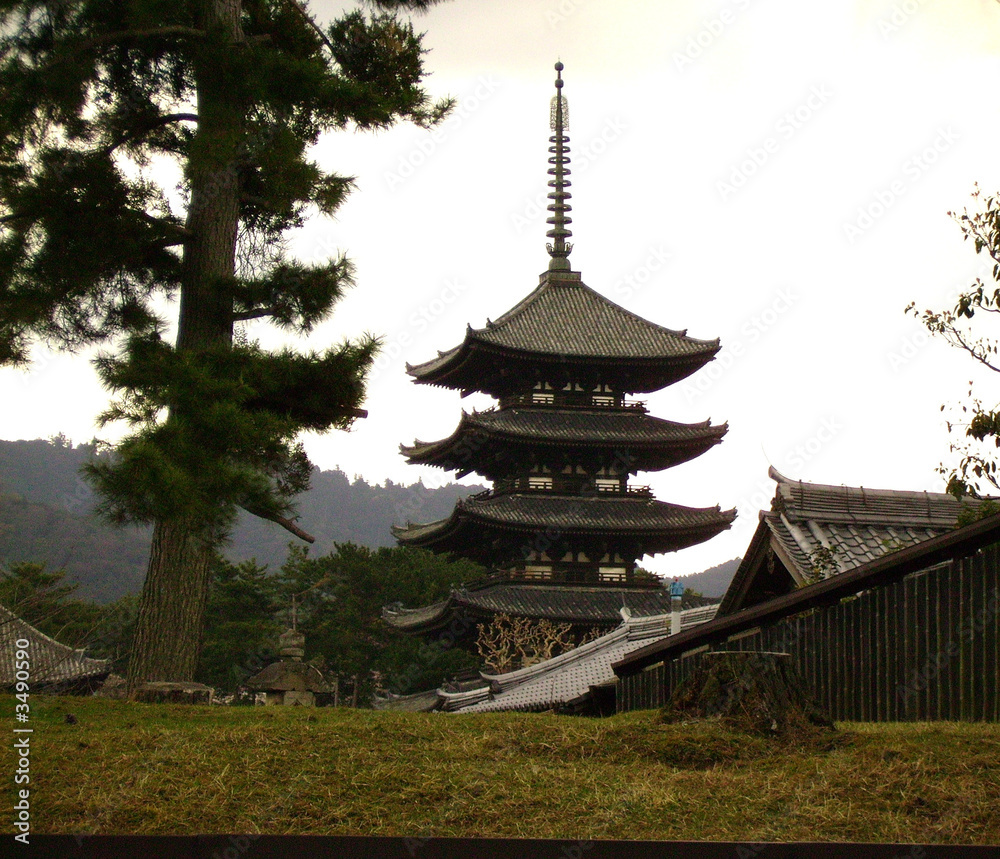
{"points": [[713, 581], [46, 515]]}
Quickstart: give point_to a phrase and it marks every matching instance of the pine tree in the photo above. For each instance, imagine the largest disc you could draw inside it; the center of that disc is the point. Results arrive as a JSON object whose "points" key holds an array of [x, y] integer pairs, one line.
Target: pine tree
{"points": [[99, 97]]}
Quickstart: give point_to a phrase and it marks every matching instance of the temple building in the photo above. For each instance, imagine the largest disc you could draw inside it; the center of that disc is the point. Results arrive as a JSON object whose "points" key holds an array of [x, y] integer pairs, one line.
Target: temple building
{"points": [[563, 526]]}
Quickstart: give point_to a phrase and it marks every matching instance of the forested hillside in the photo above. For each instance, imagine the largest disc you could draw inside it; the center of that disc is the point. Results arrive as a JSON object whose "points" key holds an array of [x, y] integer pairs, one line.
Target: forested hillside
{"points": [[46, 516], [713, 581]]}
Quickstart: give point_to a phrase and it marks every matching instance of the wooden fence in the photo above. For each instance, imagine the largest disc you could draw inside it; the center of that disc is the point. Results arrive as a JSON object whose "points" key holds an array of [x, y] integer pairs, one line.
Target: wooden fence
{"points": [[921, 648]]}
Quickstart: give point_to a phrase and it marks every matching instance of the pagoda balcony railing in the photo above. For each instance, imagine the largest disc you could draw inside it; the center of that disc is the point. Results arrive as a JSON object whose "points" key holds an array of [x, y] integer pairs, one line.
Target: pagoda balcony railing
{"points": [[563, 487], [568, 575], [576, 400]]}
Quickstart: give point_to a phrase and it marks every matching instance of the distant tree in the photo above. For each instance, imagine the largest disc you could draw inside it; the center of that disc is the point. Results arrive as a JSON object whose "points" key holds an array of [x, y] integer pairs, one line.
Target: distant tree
{"points": [[241, 626], [95, 247], [48, 602], [979, 424], [342, 617], [44, 599]]}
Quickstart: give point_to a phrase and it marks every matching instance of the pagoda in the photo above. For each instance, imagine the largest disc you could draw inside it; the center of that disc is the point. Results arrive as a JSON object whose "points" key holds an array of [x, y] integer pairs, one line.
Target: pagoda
{"points": [[564, 439]]}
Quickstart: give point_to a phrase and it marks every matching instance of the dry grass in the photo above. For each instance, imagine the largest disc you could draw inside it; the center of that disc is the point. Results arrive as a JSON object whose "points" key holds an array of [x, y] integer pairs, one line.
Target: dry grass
{"points": [[148, 769]]}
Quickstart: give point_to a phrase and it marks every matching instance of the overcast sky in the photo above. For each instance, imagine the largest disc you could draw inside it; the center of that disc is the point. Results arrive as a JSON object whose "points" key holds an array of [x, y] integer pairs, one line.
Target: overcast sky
{"points": [[773, 173]]}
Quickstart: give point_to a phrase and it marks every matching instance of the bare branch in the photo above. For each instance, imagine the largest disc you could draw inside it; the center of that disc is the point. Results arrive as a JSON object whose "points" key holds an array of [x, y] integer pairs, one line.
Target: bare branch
{"points": [[953, 332]]}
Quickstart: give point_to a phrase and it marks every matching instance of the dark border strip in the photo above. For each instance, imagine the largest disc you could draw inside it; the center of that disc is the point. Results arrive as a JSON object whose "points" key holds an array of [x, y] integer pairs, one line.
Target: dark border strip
{"points": [[338, 847], [882, 571]]}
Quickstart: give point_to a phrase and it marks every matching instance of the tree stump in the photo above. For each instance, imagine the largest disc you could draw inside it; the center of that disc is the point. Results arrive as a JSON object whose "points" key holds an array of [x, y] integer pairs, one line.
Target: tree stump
{"points": [[758, 692], [174, 693]]}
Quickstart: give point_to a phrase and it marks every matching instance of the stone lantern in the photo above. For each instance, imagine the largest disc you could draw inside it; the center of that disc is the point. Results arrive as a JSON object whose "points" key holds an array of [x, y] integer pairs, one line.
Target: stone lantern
{"points": [[289, 681]]}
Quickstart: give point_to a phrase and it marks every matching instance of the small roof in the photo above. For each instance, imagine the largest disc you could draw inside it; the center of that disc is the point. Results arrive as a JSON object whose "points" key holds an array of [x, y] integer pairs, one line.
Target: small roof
{"points": [[53, 665], [565, 323], [816, 531], [651, 444], [286, 675], [656, 525], [560, 603]]}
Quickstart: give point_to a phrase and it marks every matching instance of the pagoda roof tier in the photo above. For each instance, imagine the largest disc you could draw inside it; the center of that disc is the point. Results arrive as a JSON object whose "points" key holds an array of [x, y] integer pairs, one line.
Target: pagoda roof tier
{"points": [[577, 604], [491, 526], [484, 441], [563, 328]]}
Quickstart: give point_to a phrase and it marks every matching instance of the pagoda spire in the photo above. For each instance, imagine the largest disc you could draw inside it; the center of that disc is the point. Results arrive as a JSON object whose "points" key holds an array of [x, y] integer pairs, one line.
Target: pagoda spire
{"points": [[559, 249]]}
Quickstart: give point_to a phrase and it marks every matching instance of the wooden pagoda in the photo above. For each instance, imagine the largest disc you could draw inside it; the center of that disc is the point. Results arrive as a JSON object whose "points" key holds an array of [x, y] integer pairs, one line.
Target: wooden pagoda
{"points": [[565, 438]]}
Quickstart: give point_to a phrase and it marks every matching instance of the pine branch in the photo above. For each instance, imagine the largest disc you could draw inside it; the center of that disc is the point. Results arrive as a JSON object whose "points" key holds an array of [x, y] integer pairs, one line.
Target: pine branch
{"points": [[181, 230], [309, 21], [159, 122], [287, 524], [259, 313], [122, 36]]}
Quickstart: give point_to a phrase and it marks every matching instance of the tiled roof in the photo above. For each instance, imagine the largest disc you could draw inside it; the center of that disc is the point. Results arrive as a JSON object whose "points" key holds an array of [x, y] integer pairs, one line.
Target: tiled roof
{"points": [[562, 603], [51, 664], [565, 603], [848, 526], [565, 320], [671, 525], [817, 531], [654, 443], [570, 676]]}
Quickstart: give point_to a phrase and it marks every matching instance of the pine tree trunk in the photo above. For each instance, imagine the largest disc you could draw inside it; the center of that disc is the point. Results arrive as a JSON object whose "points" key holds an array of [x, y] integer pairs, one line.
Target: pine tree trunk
{"points": [[172, 607], [175, 591]]}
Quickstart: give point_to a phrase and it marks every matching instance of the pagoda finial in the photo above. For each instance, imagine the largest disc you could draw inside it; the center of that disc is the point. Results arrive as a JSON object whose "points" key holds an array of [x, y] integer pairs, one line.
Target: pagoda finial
{"points": [[559, 249]]}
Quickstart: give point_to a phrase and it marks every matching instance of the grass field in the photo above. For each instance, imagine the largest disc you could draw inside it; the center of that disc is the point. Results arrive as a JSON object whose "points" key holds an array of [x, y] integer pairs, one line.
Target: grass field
{"points": [[158, 769]]}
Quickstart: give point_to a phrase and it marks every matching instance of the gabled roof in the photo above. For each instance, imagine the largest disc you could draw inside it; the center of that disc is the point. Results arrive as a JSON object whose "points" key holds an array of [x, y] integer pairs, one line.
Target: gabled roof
{"points": [[565, 322], [54, 666], [578, 604], [657, 525], [649, 443], [814, 531], [569, 677], [892, 567]]}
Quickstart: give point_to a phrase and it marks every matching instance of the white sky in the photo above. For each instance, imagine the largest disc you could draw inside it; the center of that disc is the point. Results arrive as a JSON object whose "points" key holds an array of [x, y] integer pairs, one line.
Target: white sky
{"points": [[817, 113]]}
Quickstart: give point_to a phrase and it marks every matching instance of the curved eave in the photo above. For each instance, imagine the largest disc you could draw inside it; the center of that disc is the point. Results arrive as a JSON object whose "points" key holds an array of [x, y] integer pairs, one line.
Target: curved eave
{"points": [[652, 443], [477, 365], [484, 524], [419, 620]]}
